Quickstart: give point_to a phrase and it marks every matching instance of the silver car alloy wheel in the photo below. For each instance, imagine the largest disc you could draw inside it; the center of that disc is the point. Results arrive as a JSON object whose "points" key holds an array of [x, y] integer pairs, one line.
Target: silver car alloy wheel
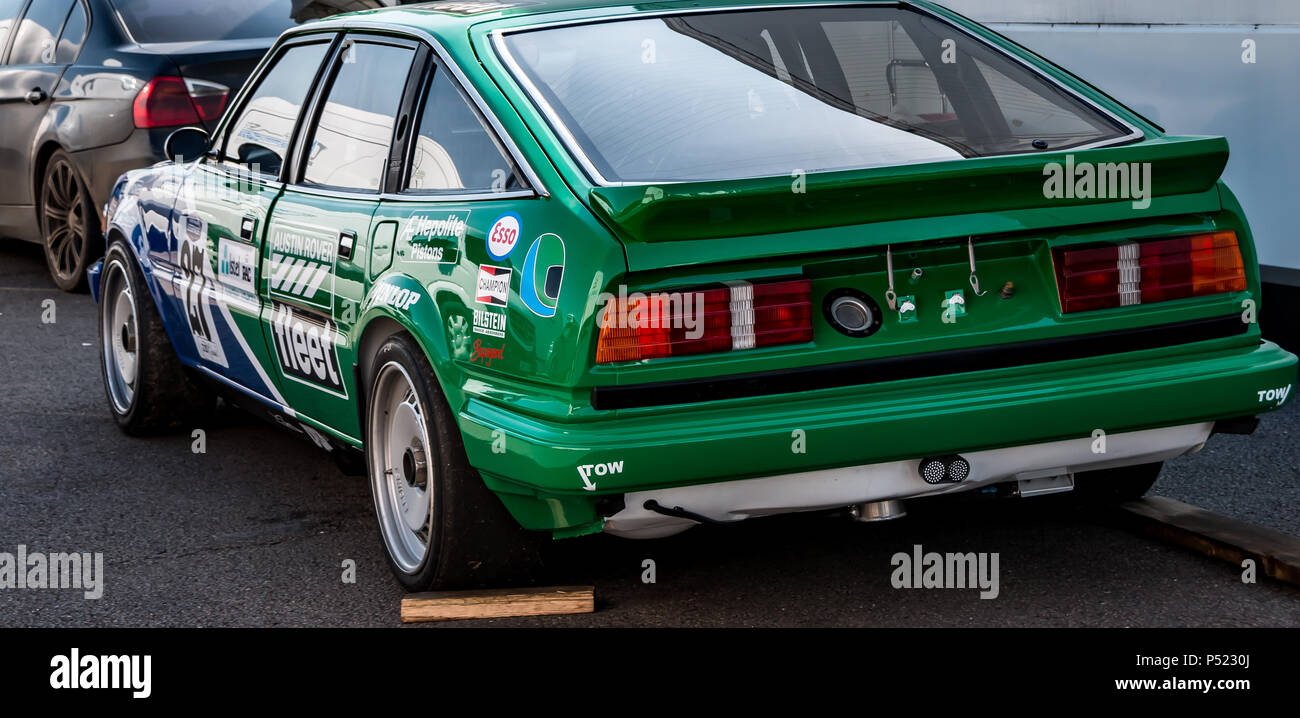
{"points": [[401, 469], [120, 336]]}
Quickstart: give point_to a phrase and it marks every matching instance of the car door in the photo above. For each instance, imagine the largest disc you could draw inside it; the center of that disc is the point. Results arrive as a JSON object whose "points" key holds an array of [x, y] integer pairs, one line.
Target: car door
{"points": [[313, 260], [28, 77], [219, 220]]}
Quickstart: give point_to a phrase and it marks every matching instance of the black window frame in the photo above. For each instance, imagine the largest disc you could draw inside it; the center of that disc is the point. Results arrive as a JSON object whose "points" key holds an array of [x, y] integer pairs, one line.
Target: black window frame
{"points": [[419, 103], [217, 152], [305, 133]]}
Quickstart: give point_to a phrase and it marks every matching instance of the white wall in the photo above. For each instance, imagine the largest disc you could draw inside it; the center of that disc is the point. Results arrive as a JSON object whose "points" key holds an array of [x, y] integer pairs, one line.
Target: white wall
{"points": [[1179, 62]]}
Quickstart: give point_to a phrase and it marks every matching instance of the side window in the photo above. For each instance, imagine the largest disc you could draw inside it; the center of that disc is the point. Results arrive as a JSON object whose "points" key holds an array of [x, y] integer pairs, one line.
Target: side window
{"points": [[453, 151], [9, 10], [74, 33], [1031, 114], [349, 147], [259, 136], [34, 42]]}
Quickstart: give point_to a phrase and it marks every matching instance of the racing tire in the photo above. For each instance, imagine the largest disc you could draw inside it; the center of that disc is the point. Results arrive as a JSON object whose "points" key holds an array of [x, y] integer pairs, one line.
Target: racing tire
{"points": [[1112, 486], [148, 389], [440, 525], [68, 222]]}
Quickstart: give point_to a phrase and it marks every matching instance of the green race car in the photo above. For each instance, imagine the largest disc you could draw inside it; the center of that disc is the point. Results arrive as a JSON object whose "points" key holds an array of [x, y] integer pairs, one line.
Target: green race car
{"points": [[556, 268]]}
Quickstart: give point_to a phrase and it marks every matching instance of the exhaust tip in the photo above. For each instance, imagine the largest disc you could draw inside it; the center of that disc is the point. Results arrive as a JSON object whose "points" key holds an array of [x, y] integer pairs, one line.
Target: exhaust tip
{"points": [[940, 469], [873, 511]]}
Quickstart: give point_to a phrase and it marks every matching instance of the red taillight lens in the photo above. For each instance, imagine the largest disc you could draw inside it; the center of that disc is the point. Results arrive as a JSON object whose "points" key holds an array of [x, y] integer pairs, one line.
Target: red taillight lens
{"points": [[1088, 278], [742, 316], [1152, 271], [172, 101], [782, 313]]}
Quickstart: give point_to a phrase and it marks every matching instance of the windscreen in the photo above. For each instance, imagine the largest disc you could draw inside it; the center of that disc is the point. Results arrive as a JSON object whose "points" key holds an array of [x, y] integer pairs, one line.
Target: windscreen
{"points": [[735, 94]]}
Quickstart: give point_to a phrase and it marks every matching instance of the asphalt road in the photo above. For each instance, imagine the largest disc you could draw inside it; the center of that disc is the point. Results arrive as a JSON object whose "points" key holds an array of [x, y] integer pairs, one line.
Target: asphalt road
{"points": [[254, 531]]}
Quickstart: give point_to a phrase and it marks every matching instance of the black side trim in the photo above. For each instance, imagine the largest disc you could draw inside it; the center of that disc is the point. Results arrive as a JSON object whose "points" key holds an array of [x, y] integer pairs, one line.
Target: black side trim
{"points": [[873, 371]]}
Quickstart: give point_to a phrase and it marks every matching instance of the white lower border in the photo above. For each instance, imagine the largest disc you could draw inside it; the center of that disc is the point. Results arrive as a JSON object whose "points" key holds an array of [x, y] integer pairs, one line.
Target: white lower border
{"points": [[832, 488]]}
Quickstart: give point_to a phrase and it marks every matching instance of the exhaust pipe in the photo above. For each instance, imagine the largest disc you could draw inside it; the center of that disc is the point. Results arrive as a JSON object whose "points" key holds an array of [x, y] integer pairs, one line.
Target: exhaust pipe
{"points": [[873, 511], [941, 469]]}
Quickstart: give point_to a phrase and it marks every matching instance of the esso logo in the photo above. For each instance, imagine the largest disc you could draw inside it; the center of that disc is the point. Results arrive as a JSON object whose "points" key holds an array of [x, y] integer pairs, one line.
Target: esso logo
{"points": [[503, 236]]}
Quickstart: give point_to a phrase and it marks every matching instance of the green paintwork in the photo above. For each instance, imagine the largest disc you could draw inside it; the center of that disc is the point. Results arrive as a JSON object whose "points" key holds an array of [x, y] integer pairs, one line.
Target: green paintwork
{"points": [[535, 393]]}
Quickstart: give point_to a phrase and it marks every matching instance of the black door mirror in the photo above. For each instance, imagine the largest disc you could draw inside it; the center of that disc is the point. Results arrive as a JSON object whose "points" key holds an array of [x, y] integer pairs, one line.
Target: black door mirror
{"points": [[187, 143]]}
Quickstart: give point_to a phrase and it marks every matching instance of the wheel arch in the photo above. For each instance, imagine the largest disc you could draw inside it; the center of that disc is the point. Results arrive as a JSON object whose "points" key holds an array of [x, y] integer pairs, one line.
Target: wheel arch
{"points": [[373, 336], [40, 162], [146, 271], [383, 321]]}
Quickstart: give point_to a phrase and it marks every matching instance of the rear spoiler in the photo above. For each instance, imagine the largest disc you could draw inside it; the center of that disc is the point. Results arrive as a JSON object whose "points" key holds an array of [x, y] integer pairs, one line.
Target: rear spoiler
{"points": [[908, 203]]}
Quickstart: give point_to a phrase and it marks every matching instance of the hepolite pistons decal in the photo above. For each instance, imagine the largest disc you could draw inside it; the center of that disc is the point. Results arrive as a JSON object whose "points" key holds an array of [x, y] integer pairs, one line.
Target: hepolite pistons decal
{"points": [[307, 349], [433, 239], [543, 274], [302, 265]]}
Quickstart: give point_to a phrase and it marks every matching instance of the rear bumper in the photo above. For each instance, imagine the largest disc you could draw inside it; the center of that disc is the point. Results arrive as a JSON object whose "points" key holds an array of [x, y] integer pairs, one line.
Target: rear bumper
{"points": [[551, 474], [832, 488]]}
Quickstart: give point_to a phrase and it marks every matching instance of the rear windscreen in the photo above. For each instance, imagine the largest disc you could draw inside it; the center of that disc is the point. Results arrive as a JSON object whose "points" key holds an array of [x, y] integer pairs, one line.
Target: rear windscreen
{"points": [[734, 94], [151, 21]]}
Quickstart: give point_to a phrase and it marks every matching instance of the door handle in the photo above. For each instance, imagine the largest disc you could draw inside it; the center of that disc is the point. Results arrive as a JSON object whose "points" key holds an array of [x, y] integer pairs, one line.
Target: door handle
{"points": [[347, 240], [247, 226], [36, 96]]}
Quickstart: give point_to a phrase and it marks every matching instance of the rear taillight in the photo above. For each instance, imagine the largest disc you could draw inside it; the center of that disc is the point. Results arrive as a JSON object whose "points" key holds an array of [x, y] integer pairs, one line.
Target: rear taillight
{"points": [[170, 101], [739, 316], [1094, 277]]}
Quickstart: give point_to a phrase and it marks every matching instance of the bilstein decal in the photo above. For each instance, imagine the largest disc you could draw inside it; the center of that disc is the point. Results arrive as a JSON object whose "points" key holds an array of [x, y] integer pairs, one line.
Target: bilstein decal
{"points": [[503, 235], [490, 322], [543, 273], [493, 286], [301, 264], [307, 349], [434, 239]]}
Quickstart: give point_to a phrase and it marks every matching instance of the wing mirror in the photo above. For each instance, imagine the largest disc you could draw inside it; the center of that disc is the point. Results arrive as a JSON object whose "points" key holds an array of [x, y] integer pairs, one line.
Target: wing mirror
{"points": [[187, 143]]}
